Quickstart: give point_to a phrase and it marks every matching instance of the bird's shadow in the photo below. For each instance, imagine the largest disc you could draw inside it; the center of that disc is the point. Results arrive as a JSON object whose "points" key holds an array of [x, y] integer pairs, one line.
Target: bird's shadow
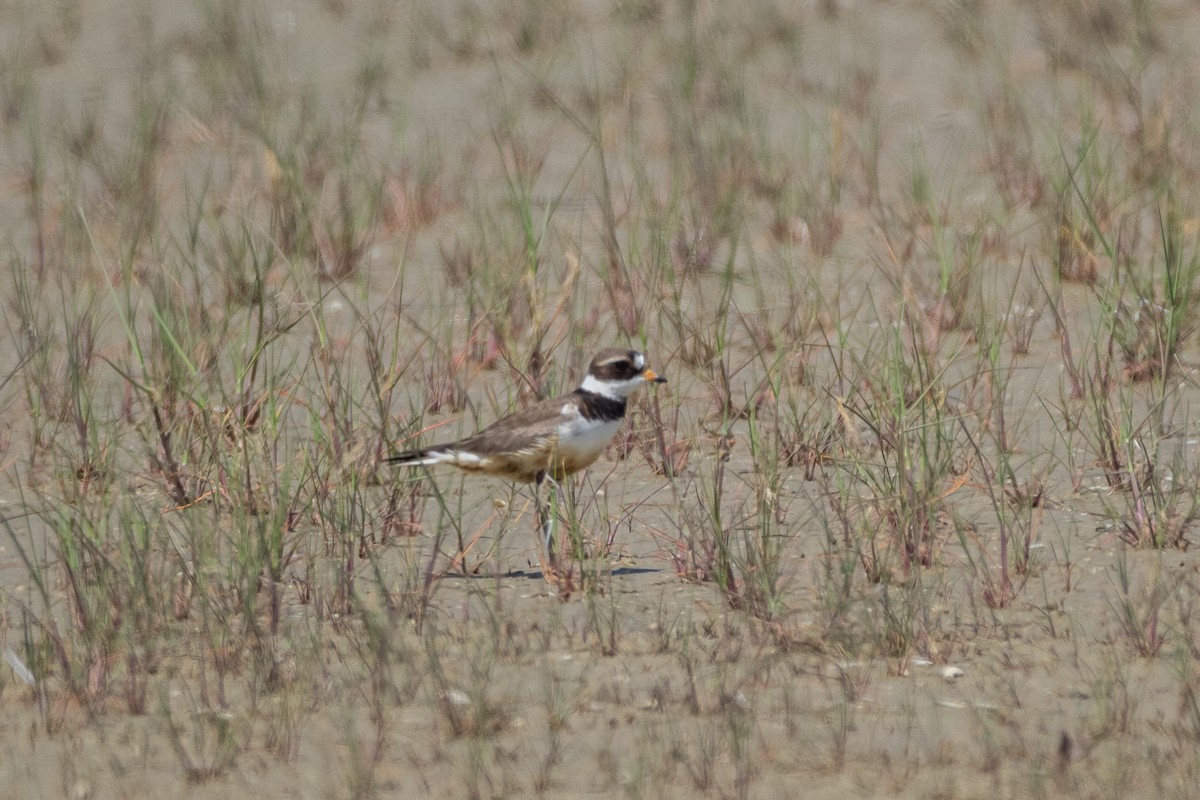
{"points": [[537, 574]]}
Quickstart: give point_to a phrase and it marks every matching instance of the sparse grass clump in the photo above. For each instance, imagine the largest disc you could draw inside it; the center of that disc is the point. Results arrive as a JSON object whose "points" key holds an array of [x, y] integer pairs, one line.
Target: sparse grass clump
{"points": [[914, 510]]}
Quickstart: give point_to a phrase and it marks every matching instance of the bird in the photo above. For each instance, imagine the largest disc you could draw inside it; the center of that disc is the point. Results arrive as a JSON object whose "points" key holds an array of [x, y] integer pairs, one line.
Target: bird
{"points": [[551, 439]]}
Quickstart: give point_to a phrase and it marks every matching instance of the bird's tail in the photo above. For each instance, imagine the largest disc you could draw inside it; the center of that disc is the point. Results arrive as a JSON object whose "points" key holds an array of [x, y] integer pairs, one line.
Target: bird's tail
{"points": [[413, 458], [463, 459]]}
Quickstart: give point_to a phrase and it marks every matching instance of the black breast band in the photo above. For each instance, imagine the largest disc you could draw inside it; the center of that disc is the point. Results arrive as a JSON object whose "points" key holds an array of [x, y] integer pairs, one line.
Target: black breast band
{"points": [[598, 407]]}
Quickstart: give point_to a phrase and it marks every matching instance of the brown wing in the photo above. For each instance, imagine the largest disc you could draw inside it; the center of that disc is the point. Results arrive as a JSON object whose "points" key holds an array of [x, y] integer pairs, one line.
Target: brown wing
{"points": [[518, 447], [533, 428]]}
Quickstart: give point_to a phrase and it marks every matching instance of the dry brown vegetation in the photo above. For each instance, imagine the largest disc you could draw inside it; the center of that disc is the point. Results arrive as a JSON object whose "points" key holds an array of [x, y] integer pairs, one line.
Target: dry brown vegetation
{"points": [[912, 517]]}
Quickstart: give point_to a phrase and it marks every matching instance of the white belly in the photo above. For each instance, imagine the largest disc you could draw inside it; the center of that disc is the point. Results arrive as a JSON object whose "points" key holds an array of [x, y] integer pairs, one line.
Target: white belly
{"points": [[581, 441]]}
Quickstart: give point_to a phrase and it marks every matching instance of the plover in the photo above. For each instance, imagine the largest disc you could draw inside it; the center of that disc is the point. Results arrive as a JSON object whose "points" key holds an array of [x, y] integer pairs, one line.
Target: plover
{"points": [[551, 439]]}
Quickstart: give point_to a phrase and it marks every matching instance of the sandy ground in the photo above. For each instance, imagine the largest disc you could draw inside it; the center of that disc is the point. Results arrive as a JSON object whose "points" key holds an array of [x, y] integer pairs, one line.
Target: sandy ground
{"points": [[640, 684]]}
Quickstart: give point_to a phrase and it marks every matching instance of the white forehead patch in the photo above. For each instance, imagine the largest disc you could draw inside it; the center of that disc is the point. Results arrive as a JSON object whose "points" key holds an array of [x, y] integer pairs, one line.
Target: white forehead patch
{"points": [[639, 361]]}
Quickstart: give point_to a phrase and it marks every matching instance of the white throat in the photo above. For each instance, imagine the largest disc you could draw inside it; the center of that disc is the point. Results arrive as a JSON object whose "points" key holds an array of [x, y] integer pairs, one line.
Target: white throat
{"points": [[618, 390]]}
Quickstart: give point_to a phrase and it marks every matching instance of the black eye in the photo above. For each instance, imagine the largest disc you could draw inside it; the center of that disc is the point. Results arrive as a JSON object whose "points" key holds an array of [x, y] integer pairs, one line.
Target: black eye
{"points": [[622, 366]]}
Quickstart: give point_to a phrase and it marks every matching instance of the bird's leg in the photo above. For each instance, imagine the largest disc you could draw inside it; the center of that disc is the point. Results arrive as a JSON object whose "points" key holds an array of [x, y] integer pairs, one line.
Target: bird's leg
{"points": [[546, 516]]}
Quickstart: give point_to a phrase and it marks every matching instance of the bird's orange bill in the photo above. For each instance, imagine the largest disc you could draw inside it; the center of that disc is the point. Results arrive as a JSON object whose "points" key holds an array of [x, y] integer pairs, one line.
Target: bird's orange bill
{"points": [[652, 377]]}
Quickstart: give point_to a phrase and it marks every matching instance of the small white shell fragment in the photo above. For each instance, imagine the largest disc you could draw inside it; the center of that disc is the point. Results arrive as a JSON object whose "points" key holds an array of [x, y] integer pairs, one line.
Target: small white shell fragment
{"points": [[457, 697], [922, 662], [952, 673]]}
